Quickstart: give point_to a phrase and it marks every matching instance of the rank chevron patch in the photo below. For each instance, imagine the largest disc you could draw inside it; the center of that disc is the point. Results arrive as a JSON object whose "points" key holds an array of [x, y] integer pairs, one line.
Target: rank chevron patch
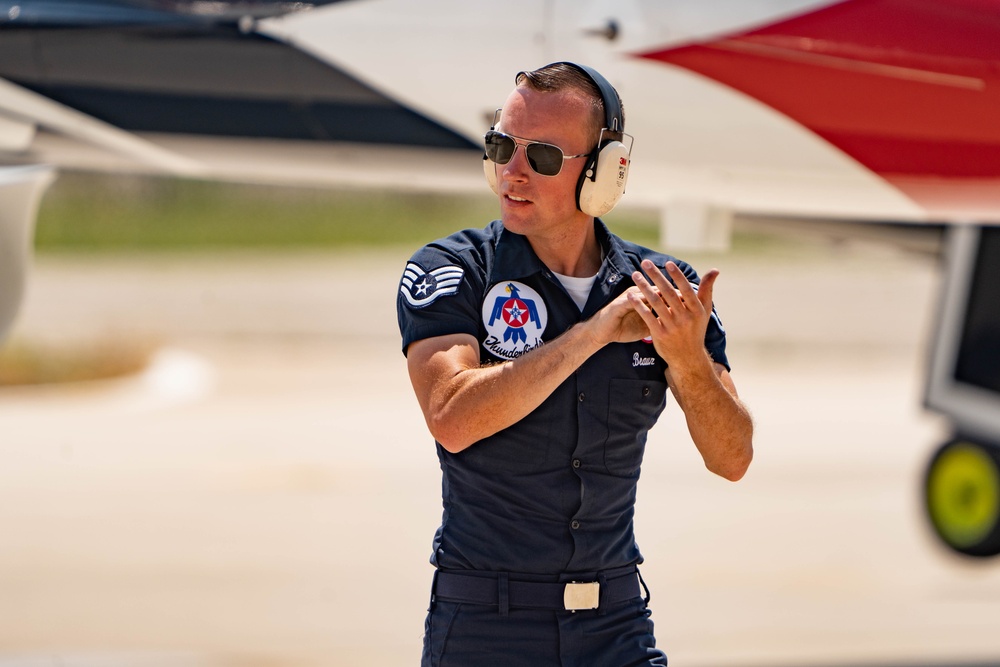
{"points": [[421, 288]]}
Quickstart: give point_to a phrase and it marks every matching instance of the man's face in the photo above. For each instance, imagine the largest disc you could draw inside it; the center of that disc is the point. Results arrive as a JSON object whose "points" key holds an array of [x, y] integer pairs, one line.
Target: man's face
{"points": [[530, 203]]}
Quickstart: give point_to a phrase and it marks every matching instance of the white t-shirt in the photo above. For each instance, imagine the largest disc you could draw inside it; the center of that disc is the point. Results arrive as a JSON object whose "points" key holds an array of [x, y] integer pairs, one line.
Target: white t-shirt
{"points": [[578, 288]]}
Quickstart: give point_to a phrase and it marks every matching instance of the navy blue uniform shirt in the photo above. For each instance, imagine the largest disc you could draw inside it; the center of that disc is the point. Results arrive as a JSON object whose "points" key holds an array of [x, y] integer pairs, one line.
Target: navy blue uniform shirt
{"points": [[554, 492]]}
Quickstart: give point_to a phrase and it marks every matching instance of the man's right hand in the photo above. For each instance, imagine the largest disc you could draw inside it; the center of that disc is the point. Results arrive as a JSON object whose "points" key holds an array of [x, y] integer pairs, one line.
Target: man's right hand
{"points": [[618, 322]]}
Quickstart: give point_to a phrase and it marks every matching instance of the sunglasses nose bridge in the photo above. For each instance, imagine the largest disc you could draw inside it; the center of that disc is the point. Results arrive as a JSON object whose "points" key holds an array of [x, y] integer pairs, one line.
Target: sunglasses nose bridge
{"points": [[518, 161]]}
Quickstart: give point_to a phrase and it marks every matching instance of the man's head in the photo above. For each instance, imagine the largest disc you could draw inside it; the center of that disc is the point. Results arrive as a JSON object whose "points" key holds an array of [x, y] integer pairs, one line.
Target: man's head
{"points": [[569, 109]]}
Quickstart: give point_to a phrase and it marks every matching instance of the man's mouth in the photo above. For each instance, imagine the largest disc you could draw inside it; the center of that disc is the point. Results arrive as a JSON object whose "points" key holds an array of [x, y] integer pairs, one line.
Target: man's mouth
{"points": [[516, 198]]}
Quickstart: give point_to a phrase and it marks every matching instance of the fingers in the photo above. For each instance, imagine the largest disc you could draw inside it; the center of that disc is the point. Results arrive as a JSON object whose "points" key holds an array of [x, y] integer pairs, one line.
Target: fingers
{"points": [[648, 292], [684, 295], [664, 292], [645, 301], [641, 306], [676, 317], [687, 292]]}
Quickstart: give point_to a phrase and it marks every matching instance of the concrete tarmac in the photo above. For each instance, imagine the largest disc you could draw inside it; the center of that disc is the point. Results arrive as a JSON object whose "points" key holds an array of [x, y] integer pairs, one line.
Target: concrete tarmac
{"points": [[266, 493]]}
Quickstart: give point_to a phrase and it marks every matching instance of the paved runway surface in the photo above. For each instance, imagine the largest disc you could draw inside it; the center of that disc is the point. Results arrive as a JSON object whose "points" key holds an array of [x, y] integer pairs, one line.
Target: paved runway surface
{"points": [[266, 493]]}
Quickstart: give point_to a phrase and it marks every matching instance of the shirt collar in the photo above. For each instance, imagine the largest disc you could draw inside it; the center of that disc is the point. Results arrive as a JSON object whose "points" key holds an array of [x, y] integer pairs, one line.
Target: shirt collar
{"points": [[616, 265], [515, 258]]}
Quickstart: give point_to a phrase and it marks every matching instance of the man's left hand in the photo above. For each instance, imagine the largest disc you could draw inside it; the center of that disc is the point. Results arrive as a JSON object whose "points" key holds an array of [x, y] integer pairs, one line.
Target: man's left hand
{"points": [[677, 318]]}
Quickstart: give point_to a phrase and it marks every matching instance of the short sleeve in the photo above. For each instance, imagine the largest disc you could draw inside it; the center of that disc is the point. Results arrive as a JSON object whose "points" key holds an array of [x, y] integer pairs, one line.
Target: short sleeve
{"points": [[439, 294]]}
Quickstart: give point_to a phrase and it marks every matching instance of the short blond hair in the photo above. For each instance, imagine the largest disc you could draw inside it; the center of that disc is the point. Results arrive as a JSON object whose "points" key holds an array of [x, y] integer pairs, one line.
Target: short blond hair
{"points": [[564, 76]]}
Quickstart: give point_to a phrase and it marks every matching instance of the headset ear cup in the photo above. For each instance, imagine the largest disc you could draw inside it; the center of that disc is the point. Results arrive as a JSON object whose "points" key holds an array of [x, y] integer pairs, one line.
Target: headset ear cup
{"points": [[490, 170], [602, 183]]}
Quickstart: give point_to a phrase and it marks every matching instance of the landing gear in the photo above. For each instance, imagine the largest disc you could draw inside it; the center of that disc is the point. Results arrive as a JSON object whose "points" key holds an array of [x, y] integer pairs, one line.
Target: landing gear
{"points": [[962, 494]]}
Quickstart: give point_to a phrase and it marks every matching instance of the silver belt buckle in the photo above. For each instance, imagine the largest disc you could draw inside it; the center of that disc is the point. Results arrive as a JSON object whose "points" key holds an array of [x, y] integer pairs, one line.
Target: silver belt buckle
{"points": [[581, 595]]}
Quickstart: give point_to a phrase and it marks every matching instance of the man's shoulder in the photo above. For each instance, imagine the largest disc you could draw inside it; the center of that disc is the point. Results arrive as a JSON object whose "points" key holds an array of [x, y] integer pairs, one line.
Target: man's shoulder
{"points": [[636, 253], [470, 249], [469, 239], [636, 250], [452, 265]]}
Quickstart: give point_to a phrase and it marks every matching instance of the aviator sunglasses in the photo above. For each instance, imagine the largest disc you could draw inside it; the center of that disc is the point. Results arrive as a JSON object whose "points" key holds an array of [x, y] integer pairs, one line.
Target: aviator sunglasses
{"points": [[544, 159]]}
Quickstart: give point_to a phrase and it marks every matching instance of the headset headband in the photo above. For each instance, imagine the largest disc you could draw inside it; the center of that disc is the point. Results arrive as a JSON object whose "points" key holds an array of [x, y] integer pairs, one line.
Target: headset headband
{"points": [[613, 116]]}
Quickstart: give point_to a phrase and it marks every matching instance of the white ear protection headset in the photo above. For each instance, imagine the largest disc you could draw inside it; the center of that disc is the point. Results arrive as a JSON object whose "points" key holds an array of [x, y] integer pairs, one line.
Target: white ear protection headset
{"points": [[602, 182]]}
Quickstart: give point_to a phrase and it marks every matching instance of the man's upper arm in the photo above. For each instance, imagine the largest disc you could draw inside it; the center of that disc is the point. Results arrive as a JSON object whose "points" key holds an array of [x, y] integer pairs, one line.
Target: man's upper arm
{"points": [[438, 296], [433, 362]]}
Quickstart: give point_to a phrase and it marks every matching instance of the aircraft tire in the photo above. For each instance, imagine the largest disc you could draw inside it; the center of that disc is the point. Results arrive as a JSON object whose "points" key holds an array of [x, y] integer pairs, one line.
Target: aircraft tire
{"points": [[962, 496]]}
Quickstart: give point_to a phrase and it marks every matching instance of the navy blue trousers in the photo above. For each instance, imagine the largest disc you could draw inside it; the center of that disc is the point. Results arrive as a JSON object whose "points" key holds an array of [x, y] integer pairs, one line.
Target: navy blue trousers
{"points": [[466, 635]]}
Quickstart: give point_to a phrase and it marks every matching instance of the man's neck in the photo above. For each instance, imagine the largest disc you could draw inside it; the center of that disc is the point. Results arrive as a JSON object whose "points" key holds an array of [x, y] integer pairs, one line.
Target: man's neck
{"points": [[573, 254]]}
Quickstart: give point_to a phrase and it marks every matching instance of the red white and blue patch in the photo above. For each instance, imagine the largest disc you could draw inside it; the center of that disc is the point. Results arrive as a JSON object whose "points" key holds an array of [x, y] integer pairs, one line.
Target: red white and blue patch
{"points": [[515, 317], [421, 287]]}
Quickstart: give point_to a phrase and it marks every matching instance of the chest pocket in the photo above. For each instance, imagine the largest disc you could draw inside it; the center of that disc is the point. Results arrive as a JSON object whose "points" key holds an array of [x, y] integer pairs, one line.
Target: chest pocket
{"points": [[633, 409]]}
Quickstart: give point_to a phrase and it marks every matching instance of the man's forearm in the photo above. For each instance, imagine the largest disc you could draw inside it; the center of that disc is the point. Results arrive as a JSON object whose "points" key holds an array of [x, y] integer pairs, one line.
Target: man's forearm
{"points": [[482, 400], [720, 425]]}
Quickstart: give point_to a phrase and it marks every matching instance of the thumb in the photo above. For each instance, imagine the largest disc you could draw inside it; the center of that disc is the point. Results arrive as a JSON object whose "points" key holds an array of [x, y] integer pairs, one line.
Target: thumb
{"points": [[706, 287]]}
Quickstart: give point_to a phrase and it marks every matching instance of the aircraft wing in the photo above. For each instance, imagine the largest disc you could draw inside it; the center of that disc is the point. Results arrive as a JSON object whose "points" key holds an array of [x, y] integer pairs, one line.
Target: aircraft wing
{"points": [[173, 87], [24, 110], [862, 110]]}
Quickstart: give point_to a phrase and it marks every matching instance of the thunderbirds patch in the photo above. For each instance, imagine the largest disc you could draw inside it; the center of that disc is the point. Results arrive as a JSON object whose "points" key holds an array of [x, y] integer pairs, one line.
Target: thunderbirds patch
{"points": [[421, 288], [515, 317]]}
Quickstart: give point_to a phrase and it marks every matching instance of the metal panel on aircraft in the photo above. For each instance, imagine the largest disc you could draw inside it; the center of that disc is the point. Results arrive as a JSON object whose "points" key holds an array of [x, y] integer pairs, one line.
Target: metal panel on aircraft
{"points": [[208, 80]]}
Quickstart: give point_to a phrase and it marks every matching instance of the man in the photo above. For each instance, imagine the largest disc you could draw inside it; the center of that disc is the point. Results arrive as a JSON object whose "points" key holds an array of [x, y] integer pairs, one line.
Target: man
{"points": [[540, 349]]}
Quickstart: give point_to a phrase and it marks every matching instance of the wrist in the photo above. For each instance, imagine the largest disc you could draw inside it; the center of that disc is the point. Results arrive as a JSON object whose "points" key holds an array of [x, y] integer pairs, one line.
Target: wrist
{"points": [[589, 333], [693, 368]]}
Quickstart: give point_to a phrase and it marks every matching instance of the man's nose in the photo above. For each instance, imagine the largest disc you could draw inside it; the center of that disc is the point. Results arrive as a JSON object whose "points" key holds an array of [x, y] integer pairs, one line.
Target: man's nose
{"points": [[517, 168]]}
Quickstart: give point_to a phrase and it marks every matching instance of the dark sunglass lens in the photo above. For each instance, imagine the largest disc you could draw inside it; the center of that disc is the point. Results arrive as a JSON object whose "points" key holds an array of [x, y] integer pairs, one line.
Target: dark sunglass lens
{"points": [[499, 147], [545, 159]]}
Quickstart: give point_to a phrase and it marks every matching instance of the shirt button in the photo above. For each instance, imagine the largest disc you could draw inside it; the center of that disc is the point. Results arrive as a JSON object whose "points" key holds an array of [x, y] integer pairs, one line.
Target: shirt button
{"points": [[645, 391], [575, 524], [582, 396], [576, 463]]}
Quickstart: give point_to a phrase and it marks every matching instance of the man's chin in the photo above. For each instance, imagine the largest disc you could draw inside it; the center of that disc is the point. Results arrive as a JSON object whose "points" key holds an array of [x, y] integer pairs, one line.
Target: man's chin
{"points": [[515, 221]]}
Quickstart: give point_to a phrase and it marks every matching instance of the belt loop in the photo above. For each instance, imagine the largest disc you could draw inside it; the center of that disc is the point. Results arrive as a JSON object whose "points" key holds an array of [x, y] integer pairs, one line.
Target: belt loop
{"points": [[644, 587], [503, 596], [602, 604]]}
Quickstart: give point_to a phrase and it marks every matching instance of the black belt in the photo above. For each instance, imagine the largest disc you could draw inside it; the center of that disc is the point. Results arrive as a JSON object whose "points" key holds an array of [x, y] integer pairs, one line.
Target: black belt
{"points": [[505, 591]]}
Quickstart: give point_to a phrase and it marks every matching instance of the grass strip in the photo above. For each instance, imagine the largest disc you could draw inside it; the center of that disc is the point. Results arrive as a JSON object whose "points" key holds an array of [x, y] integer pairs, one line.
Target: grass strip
{"points": [[92, 213]]}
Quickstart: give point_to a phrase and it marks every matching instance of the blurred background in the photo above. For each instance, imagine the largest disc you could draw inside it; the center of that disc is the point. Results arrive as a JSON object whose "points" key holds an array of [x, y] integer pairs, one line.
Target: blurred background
{"points": [[212, 456], [210, 453]]}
